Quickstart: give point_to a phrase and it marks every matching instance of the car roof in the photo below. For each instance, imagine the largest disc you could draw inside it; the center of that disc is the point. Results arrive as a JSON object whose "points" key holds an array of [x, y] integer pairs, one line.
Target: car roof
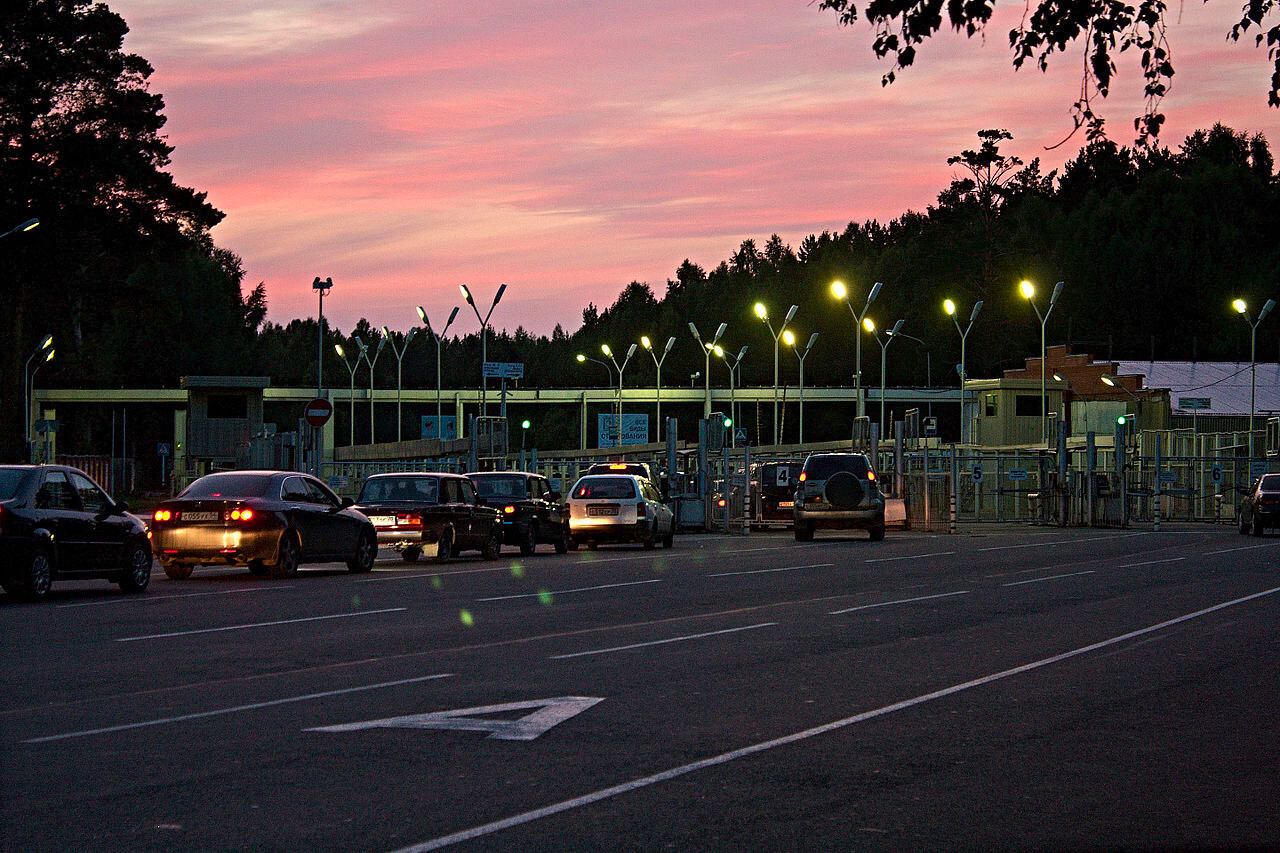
{"points": [[426, 474], [501, 474]]}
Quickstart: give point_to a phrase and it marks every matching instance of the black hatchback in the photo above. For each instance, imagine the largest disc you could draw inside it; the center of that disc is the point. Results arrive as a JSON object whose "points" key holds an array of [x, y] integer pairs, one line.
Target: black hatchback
{"points": [[58, 524], [531, 511]]}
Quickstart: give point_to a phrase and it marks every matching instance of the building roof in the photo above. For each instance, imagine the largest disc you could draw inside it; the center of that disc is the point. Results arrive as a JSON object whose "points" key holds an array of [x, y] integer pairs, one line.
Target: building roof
{"points": [[1225, 384]]}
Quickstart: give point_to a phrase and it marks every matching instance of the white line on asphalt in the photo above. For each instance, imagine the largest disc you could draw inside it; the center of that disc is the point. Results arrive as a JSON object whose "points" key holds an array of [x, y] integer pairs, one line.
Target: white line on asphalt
{"points": [[567, 591], [259, 624], [899, 601], [1243, 548], [773, 548], [662, 642], [1151, 562], [796, 737], [909, 557], [1052, 578], [254, 706], [150, 598], [1061, 542], [387, 576], [767, 571]]}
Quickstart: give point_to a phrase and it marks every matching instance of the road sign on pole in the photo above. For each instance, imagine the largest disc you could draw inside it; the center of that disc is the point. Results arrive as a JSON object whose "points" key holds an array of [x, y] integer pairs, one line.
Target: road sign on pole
{"points": [[318, 412]]}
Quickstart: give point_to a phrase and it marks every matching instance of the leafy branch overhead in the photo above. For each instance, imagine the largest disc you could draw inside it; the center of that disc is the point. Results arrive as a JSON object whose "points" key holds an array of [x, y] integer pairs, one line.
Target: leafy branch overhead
{"points": [[1107, 28]]}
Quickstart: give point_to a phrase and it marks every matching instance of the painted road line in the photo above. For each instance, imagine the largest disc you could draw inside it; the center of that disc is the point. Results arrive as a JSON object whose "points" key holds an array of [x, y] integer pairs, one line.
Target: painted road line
{"points": [[1242, 548], [238, 708], [567, 591], [796, 737], [910, 557], [1151, 562], [899, 601], [148, 599], [1061, 542], [388, 576], [260, 624], [663, 642], [767, 571], [1053, 577], [773, 548]]}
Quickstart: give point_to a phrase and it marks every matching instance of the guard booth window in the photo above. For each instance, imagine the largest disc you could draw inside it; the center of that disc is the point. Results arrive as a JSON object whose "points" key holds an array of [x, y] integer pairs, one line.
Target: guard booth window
{"points": [[229, 406], [1026, 406], [992, 405]]}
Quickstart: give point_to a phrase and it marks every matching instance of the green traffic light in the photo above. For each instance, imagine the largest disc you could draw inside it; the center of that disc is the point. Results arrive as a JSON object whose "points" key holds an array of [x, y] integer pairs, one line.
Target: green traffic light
{"points": [[728, 422], [1120, 421], [524, 424]]}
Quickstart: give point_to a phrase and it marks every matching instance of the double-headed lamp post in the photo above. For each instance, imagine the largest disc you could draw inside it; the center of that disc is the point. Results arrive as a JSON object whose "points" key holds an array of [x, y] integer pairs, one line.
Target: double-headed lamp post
{"points": [[839, 291], [870, 326], [399, 354], [1028, 293], [657, 363], [604, 348], [950, 307], [790, 340], [422, 315], [44, 354], [763, 313], [351, 366], [484, 338], [706, 348], [364, 351], [582, 359], [732, 362], [1243, 310]]}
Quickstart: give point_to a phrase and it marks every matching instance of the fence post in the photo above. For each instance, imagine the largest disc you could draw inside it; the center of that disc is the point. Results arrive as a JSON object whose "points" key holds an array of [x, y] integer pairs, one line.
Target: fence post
{"points": [[955, 480], [746, 490], [1062, 473], [1091, 464], [1155, 504], [898, 429]]}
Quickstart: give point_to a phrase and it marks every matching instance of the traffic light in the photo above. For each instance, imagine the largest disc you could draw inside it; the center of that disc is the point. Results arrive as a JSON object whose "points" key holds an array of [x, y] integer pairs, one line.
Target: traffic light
{"points": [[728, 423], [1120, 421]]}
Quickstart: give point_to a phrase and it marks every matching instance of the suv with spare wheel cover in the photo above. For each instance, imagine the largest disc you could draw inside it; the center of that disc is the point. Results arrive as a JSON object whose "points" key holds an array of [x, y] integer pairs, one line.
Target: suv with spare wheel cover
{"points": [[838, 491]]}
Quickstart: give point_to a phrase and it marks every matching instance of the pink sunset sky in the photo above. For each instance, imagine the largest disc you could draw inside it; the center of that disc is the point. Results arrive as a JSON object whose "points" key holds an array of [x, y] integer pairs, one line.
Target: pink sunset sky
{"points": [[567, 148]]}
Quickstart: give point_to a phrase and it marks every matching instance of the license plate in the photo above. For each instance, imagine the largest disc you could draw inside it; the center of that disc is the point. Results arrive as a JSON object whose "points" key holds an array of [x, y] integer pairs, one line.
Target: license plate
{"points": [[785, 504], [201, 516], [383, 520], [602, 510]]}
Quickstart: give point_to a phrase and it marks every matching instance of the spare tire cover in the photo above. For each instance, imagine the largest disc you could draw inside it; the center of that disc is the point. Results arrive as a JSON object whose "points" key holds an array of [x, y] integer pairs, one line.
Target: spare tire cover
{"points": [[843, 490]]}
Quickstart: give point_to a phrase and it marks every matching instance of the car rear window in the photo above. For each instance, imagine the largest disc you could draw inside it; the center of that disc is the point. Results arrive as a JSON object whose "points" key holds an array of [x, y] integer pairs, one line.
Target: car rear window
{"points": [[822, 467], [10, 481], [500, 486], [1270, 483], [617, 488], [420, 489], [229, 486]]}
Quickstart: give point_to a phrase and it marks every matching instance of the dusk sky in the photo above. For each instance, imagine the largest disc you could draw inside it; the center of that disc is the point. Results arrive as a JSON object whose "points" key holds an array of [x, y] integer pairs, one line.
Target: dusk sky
{"points": [[567, 148]]}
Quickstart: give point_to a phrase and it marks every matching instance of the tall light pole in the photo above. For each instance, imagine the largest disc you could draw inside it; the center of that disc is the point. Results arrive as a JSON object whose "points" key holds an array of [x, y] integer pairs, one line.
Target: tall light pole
{"points": [[322, 288], [44, 352], [364, 351], [732, 362], [1243, 310], [870, 326], [839, 291], [604, 348], [707, 347], [484, 345], [352, 368], [657, 363], [583, 358], [21, 227], [399, 354], [950, 307], [422, 315], [1028, 293], [790, 340], [763, 313]]}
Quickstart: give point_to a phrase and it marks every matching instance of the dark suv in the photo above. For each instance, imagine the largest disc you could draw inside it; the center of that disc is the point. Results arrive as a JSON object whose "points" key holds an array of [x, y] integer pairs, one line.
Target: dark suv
{"points": [[1261, 507], [531, 511], [838, 491]]}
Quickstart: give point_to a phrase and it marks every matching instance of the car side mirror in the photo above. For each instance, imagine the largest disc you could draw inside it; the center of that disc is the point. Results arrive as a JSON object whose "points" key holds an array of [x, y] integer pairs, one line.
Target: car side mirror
{"points": [[556, 497], [120, 508], [347, 502]]}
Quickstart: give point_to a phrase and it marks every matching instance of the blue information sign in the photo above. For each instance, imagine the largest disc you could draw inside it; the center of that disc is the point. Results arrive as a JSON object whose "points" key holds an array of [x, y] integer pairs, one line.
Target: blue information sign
{"points": [[635, 430]]}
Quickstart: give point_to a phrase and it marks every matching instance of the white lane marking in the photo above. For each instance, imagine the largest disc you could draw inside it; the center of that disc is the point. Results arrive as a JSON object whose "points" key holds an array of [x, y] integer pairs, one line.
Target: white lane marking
{"points": [[796, 737], [150, 598], [549, 713], [1151, 562], [251, 707], [662, 642], [767, 571], [773, 548], [567, 591], [387, 576], [1061, 542], [899, 601], [1243, 548], [910, 557], [260, 624], [1051, 578]]}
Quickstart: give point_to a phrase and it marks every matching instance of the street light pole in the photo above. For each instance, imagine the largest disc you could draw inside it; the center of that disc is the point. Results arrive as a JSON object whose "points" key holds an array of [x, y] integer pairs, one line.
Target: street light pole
{"points": [[657, 363], [399, 354], [870, 326], [364, 351], [950, 307], [352, 368], [790, 340], [604, 348], [422, 315], [583, 358], [322, 288], [841, 292], [763, 313], [1029, 292], [21, 227], [484, 342], [732, 363], [1243, 310], [707, 347], [43, 350]]}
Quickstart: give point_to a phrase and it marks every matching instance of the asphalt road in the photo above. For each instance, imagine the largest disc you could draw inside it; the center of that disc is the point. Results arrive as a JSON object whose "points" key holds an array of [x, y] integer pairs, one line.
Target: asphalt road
{"points": [[1011, 688]]}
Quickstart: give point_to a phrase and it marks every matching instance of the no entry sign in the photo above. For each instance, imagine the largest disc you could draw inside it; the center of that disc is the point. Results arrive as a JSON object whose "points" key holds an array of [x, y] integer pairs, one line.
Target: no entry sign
{"points": [[318, 412]]}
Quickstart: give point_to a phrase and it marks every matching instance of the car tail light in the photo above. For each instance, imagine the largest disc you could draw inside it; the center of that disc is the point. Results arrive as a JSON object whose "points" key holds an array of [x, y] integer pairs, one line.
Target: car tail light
{"points": [[508, 509], [721, 503], [163, 515], [871, 475], [408, 519], [244, 514], [642, 509], [617, 467], [803, 476]]}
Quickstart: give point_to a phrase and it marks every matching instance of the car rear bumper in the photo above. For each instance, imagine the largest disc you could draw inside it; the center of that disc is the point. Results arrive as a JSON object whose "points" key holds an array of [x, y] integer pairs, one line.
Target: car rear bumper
{"points": [[605, 530], [214, 544], [820, 517]]}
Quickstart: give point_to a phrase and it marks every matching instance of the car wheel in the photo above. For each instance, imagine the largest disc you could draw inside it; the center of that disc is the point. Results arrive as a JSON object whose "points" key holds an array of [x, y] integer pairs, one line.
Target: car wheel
{"points": [[366, 552], [573, 544], [669, 539], [286, 564], [493, 547], [877, 532], [137, 569], [411, 554], [444, 547], [530, 542], [178, 571], [563, 542], [804, 532], [1257, 526], [257, 568], [649, 539], [37, 576], [592, 545], [1244, 525]]}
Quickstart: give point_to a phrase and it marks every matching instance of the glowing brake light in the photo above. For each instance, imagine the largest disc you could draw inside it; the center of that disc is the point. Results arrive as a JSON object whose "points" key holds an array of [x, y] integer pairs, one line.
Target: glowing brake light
{"points": [[871, 475], [720, 502], [508, 509], [617, 467], [803, 476], [163, 515], [245, 514]]}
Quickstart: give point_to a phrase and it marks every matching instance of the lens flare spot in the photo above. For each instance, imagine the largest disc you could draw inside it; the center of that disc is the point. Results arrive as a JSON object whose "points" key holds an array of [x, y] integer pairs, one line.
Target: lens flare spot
{"points": [[437, 582], [355, 601], [466, 618], [517, 571], [544, 597]]}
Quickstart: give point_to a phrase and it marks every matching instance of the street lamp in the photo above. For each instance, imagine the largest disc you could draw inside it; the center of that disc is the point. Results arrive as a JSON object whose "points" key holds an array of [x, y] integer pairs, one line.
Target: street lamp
{"points": [[950, 307], [524, 430], [706, 347], [422, 315], [604, 348], [790, 340], [364, 351], [732, 362], [399, 354], [870, 326], [322, 288], [1028, 293], [763, 313], [1111, 383], [585, 358], [839, 291], [657, 363], [45, 345], [25, 226], [928, 361], [1243, 310], [352, 368], [484, 346]]}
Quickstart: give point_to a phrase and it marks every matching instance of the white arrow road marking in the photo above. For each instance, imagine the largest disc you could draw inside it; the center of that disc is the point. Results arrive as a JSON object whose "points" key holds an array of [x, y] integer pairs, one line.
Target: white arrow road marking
{"points": [[551, 712]]}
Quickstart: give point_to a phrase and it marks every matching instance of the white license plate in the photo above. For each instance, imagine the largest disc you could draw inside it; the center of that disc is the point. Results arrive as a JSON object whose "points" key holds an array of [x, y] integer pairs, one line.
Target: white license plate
{"points": [[383, 520], [596, 511], [785, 504], [201, 516]]}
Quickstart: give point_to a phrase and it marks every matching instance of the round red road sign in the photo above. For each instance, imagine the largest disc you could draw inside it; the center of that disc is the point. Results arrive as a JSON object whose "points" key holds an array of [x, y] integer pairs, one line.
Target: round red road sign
{"points": [[318, 412]]}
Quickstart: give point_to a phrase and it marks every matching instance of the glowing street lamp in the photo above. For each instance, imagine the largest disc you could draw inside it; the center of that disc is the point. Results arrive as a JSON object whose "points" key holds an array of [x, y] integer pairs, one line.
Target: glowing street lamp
{"points": [[422, 315], [484, 345], [1243, 310], [950, 307], [582, 359], [657, 363], [44, 353], [604, 348], [763, 313], [869, 325], [707, 347], [839, 291], [22, 227], [1028, 292], [790, 340], [352, 368]]}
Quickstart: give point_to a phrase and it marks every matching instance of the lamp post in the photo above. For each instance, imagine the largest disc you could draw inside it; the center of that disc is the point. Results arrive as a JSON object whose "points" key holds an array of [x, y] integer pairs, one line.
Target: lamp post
{"points": [[707, 347], [928, 361], [732, 362], [657, 363], [870, 326], [422, 315], [839, 291], [950, 307], [693, 377], [1243, 310], [484, 345], [364, 351], [1111, 383], [352, 368], [322, 288], [1058, 377], [45, 350], [399, 354], [604, 348], [1029, 292], [763, 313], [582, 359], [790, 340], [21, 227]]}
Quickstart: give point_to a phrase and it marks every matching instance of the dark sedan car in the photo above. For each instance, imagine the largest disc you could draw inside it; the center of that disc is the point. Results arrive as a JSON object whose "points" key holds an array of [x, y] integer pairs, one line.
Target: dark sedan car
{"points": [[57, 523], [270, 521], [1261, 507], [437, 515], [531, 511]]}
